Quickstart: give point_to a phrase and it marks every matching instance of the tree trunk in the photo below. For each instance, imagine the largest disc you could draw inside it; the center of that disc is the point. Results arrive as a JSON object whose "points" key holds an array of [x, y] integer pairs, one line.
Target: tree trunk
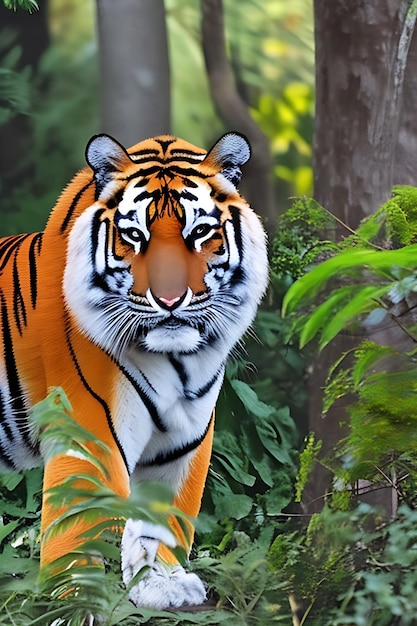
{"points": [[257, 183], [362, 147], [134, 68], [359, 78]]}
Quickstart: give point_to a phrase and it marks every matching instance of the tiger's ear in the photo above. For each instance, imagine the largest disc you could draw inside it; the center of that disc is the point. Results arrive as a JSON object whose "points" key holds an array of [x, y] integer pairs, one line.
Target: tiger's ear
{"points": [[105, 156], [229, 153]]}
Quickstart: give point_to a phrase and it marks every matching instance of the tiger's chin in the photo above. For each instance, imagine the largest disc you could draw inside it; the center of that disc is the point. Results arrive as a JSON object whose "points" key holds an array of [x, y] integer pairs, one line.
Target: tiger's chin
{"points": [[184, 339]]}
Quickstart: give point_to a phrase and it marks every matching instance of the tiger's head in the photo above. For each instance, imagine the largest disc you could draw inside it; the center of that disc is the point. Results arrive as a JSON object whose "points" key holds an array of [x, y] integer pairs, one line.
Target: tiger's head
{"points": [[169, 258]]}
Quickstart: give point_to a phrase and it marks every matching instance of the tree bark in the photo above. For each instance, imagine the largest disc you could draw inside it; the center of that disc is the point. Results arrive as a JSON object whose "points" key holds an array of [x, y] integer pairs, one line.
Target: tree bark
{"points": [[359, 79], [257, 183], [134, 69], [365, 141]]}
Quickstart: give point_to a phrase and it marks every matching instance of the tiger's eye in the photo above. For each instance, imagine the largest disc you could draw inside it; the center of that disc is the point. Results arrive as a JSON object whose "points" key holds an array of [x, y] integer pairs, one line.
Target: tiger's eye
{"points": [[201, 230], [134, 234]]}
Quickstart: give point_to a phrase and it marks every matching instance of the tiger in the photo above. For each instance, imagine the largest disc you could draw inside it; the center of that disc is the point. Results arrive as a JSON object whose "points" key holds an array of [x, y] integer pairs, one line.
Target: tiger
{"points": [[148, 273]]}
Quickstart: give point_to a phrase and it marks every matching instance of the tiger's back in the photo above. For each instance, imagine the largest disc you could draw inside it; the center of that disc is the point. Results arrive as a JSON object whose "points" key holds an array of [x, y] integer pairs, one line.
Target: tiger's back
{"points": [[149, 271]]}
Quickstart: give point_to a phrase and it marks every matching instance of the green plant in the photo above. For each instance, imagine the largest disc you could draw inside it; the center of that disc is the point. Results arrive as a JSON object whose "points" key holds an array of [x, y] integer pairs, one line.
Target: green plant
{"points": [[367, 285], [383, 590], [28, 5], [247, 586], [254, 457], [363, 286]]}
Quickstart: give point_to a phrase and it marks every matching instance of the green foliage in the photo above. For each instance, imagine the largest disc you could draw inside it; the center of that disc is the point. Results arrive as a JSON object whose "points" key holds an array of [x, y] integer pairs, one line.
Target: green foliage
{"points": [[245, 582], [372, 274], [396, 220], [254, 459], [60, 119], [317, 563], [365, 285], [15, 89], [361, 567], [307, 460], [350, 567], [381, 445], [364, 278], [383, 591], [299, 238], [27, 5]]}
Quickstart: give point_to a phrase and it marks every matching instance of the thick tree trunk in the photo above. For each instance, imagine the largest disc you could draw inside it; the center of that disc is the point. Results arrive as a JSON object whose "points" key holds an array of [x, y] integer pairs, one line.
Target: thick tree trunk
{"points": [[365, 141], [360, 62], [405, 165], [134, 67]]}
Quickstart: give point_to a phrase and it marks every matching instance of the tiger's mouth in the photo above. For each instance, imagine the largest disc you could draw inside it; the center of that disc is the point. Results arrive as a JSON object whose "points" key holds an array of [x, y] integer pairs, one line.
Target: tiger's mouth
{"points": [[145, 301]]}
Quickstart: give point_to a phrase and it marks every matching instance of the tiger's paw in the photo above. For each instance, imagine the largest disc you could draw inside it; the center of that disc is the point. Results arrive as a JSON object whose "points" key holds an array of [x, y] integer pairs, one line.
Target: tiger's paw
{"points": [[163, 586], [168, 587]]}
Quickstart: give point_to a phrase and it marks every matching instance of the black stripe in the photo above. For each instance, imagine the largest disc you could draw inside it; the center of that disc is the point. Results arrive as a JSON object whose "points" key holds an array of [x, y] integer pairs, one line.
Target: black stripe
{"points": [[19, 308], [171, 170], [8, 349], [165, 143], [73, 205], [183, 376], [146, 171], [188, 171], [235, 213], [206, 388], [150, 406], [6, 242], [167, 457], [16, 392], [10, 245], [90, 390], [34, 250], [176, 154]]}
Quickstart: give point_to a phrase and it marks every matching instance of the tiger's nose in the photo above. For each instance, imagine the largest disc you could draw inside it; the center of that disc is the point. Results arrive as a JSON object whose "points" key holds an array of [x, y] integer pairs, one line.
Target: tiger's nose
{"points": [[169, 304]]}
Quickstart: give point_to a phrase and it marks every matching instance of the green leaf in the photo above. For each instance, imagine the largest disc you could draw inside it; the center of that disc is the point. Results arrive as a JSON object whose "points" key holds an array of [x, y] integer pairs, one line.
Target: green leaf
{"points": [[320, 316], [269, 435], [6, 529], [366, 299], [250, 399], [233, 467], [277, 498], [379, 262], [235, 505], [366, 355]]}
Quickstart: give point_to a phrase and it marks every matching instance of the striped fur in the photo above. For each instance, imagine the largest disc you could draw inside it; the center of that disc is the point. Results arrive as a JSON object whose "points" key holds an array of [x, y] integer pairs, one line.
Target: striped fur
{"points": [[148, 272]]}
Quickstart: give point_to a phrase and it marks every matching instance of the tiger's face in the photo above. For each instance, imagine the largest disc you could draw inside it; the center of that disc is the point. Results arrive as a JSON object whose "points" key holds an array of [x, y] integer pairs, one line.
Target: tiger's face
{"points": [[169, 258]]}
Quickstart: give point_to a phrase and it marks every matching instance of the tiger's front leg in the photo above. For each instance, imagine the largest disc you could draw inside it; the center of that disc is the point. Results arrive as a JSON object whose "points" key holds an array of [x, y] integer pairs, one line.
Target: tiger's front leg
{"points": [[166, 584]]}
